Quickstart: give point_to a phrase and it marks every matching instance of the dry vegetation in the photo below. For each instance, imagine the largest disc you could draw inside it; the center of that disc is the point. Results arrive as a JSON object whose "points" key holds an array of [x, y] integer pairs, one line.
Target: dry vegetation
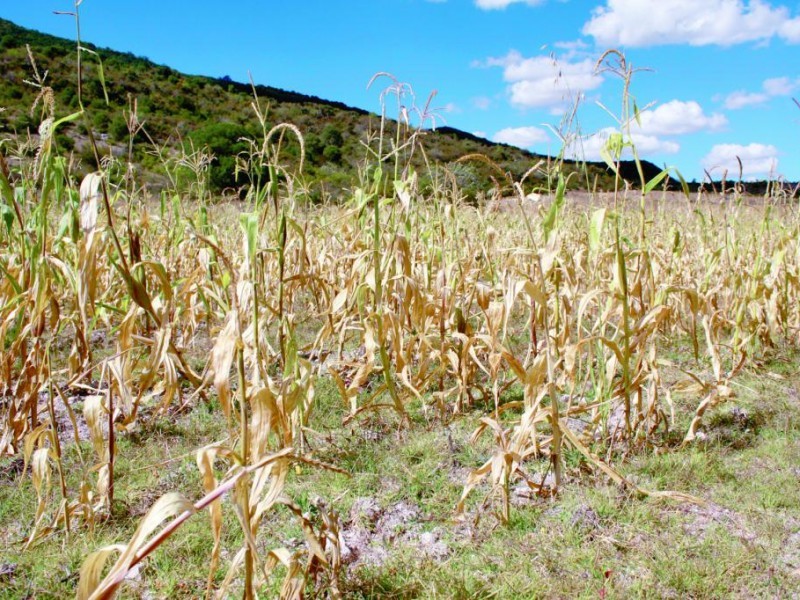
{"points": [[573, 339]]}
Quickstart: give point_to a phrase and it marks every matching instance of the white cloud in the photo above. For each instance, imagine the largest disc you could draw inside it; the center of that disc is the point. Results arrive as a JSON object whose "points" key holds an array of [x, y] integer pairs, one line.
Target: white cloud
{"points": [[451, 108], [719, 22], [480, 134], [541, 81], [501, 4], [650, 144], [742, 99], [589, 148], [573, 46], [678, 118], [790, 31], [648, 134], [672, 118], [778, 86], [522, 137], [758, 160]]}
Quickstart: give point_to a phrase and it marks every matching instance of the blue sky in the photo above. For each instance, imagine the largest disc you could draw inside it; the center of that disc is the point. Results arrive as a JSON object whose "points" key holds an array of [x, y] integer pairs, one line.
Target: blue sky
{"points": [[721, 80]]}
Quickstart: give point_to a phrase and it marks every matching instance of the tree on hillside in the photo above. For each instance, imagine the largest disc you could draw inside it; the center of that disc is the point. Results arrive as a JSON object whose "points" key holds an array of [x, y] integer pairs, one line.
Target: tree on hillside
{"points": [[224, 141], [332, 142]]}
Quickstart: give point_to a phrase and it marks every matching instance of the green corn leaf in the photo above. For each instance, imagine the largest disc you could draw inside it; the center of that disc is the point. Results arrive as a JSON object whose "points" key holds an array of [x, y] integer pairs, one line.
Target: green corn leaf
{"points": [[249, 223], [67, 119], [651, 185], [100, 73], [596, 229], [8, 216], [611, 151], [291, 355], [684, 185], [550, 220]]}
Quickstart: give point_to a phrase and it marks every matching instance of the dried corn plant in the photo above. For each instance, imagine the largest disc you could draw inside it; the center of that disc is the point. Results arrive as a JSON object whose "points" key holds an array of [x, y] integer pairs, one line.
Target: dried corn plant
{"points": [[407, 300]]}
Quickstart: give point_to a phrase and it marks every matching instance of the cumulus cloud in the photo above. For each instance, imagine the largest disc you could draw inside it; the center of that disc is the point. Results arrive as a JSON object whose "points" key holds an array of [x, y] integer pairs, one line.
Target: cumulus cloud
{"points": [[742, 99], [778, 86], [758, 160], [590, 148], [522, 137], [672, 118], [635, 23], [501, 4], [678, 118], [541, 81]]}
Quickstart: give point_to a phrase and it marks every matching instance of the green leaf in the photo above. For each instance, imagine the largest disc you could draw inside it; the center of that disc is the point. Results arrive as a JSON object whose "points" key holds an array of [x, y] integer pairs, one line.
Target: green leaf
{"points": [[676, 240], [161, 273], [550, 221], [8, 216], [650, 186], [596, 229], [176, 208], [5, 188], [249, 223], [66, 119], [611, 151], [64, 224], [101, 74], [684, 185], [291, 355], [163, 206]]}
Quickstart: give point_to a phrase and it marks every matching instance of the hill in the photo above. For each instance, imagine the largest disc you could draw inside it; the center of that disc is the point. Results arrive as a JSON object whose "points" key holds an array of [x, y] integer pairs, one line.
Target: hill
{"points": [[197, 111]]}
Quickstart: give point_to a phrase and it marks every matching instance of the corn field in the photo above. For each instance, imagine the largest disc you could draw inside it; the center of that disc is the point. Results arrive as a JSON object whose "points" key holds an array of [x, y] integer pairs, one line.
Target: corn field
{"points": [[412, 302]]}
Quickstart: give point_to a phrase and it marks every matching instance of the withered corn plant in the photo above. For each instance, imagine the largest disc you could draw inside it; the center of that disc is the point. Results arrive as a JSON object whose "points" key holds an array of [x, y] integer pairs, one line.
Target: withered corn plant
{"points": [[407, 301]]}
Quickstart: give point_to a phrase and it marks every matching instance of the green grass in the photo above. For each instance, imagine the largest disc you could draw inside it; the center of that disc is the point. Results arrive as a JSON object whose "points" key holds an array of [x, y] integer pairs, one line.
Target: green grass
{"points": [[593, 540]]}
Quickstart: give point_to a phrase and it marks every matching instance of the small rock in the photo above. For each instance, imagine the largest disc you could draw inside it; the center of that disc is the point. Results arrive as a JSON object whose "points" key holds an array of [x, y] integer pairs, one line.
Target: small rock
{"points": [[430, 544], [365, 509], [395, 520], [554, 511], [353, 544], [577, 426], [548, 480], [7, 571], [585, 517], [97, 337]]}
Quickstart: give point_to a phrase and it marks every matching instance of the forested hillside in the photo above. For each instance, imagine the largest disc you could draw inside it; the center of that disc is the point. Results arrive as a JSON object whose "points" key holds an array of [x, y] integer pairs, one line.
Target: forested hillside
{"points": [[197, 111]]}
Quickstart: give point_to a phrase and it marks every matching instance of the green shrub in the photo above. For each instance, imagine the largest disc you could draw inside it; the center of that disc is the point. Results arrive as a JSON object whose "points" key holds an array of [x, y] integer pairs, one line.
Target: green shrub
{"points": [[224, 141]]}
